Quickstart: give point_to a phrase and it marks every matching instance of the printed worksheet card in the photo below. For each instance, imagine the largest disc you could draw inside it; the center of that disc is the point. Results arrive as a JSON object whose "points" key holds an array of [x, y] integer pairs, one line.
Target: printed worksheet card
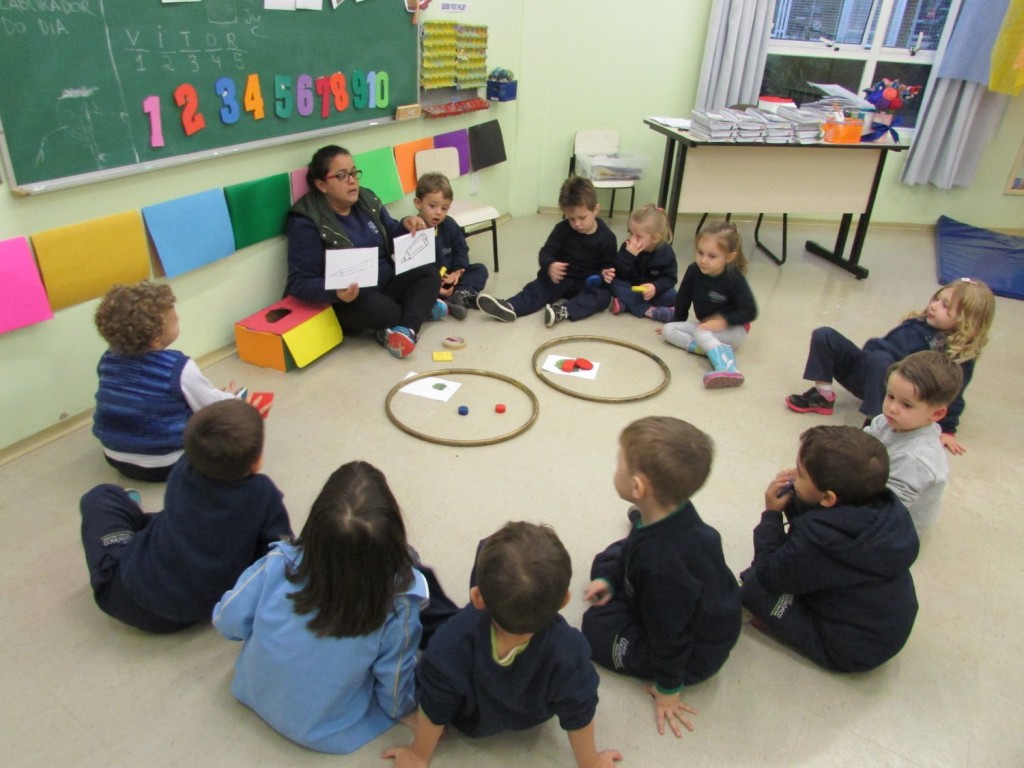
{"points": [[414, 250], [350, 265], [571, 366], [431, 387]]}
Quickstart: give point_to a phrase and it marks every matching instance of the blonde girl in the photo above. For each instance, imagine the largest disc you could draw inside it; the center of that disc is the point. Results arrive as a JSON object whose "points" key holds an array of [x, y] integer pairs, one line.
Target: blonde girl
{"points": [[956, 320], [723, 304], [645, 271]]}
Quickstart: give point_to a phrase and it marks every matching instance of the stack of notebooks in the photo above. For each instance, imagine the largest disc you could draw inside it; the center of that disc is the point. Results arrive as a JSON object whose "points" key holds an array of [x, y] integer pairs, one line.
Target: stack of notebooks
{"points": [[786, 125]]}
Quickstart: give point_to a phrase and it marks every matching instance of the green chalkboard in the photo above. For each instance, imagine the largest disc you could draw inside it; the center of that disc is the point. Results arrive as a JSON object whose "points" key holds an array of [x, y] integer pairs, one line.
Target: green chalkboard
{"points": [[98, 88]]}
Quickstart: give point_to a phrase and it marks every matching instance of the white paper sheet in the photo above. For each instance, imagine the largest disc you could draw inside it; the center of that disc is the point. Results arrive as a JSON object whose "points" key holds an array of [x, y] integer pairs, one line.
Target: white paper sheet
{"points": [[350, 265], [431, 387], [414, 250]]}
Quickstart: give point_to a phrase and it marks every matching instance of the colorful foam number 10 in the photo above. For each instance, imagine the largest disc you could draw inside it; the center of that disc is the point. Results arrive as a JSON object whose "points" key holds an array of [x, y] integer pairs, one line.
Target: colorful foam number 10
{"points": [[370, 89]]}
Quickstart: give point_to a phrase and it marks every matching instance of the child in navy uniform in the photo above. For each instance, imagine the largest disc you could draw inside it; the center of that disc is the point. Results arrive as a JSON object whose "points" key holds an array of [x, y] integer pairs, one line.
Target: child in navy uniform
{"points": [[163, 572], [666, 605], [509, 661], [645, 268], [576, 264], [956, 321], [460, 280], [836, 586], [723, 304]]}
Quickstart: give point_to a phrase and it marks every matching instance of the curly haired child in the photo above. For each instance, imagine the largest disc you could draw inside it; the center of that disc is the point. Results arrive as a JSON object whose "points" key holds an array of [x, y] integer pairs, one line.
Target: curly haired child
{"points": [[146, 391]]}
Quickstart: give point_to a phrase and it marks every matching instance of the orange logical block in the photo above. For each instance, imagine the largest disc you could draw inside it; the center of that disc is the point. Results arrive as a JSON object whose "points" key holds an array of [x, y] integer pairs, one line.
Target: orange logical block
{"points": [[286, 335]]}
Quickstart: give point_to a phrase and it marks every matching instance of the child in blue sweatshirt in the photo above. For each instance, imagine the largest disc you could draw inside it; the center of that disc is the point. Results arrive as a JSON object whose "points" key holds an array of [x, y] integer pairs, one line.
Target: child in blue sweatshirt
{"points": [[330, 622]]}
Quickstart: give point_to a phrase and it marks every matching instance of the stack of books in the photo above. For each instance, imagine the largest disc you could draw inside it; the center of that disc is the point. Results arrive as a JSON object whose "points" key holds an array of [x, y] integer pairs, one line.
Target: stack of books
{"points": [[786, 125], [805, 121], [712, 126]]}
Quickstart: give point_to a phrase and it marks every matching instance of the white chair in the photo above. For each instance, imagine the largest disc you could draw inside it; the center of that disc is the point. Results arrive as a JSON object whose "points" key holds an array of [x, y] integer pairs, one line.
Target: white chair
{"points": [[602, 142], [465, 212]]}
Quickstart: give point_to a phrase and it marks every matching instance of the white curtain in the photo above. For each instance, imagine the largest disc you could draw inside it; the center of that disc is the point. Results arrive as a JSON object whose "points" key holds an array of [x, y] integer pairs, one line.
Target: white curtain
{"points": [[735, 53], [960, 114]]}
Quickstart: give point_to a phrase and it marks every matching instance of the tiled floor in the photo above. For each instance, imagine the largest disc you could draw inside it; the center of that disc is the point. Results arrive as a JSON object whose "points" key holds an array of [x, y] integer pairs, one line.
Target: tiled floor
{"points": [[77, 689]]}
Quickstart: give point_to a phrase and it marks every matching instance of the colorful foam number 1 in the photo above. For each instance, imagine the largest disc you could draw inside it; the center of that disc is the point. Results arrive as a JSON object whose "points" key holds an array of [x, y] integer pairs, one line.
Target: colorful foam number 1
{"points": [[151, 106]]}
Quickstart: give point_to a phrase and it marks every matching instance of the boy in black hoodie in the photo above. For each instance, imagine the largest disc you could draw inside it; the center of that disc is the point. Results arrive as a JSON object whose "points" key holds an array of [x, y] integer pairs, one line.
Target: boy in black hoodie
{"points": [[836, 586]]}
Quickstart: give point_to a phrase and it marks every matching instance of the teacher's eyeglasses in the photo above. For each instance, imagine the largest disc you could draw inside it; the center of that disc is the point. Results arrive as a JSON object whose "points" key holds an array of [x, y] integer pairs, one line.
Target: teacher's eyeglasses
{"points": [[344, 176]]}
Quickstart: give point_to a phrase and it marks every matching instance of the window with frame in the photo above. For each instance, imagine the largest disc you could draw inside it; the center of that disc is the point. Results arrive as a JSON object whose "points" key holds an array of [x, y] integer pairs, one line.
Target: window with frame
{"points": [[855, 44]]}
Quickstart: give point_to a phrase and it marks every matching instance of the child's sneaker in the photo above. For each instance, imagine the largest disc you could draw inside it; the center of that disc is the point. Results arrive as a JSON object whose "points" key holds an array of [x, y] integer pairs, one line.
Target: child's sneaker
{"points": [[555, 313], [457, 310], [463, 297], [499, 309], [661, 314], [616, 307], [811, 401], [439, 311], [401, 341]]}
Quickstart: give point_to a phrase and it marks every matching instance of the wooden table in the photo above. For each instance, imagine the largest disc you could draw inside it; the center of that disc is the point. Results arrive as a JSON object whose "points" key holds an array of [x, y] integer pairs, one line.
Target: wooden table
{"points": [[699, 176]]}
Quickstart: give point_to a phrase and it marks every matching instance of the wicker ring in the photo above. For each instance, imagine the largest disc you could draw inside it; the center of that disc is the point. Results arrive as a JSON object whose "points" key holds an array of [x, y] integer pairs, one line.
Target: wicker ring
{"points": [[463, 443], [538, 369]]}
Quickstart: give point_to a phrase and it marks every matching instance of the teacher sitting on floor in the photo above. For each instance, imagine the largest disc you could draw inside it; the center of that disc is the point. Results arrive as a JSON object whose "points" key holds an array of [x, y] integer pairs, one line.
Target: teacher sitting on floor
{"points": [[337, 213]]}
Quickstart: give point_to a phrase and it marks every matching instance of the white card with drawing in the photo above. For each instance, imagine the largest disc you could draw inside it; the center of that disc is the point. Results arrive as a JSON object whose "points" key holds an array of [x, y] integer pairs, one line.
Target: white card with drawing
{"points": [[414, 250], [350, 265], [431, 387]]}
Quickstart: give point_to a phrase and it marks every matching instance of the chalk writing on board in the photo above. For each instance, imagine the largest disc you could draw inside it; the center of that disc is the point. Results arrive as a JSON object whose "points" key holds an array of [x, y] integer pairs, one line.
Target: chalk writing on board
{"points": [[91, 87], [78, 115]]}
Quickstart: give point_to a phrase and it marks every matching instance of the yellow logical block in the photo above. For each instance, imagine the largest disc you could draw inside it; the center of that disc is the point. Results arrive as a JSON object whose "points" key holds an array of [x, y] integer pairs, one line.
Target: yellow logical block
{"points": [[442, 357]]}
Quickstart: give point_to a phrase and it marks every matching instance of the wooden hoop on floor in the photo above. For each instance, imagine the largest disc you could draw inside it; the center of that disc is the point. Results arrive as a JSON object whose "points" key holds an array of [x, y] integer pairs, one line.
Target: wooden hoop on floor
{"points": [[539, 370], [463, 443]]}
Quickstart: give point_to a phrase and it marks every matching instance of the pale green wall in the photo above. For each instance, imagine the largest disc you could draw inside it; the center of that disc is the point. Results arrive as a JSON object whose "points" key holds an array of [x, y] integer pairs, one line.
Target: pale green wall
{"points": [[594, 64]]}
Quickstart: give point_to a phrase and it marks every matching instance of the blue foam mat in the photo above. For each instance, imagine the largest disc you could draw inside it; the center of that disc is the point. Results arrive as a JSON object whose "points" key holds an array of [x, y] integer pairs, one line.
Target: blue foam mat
{"points": [[965, 251]]}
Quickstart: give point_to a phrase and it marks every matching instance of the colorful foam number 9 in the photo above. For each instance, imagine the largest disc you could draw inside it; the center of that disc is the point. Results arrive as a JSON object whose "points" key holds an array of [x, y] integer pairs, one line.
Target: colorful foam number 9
{"points": [[192, 120]]}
